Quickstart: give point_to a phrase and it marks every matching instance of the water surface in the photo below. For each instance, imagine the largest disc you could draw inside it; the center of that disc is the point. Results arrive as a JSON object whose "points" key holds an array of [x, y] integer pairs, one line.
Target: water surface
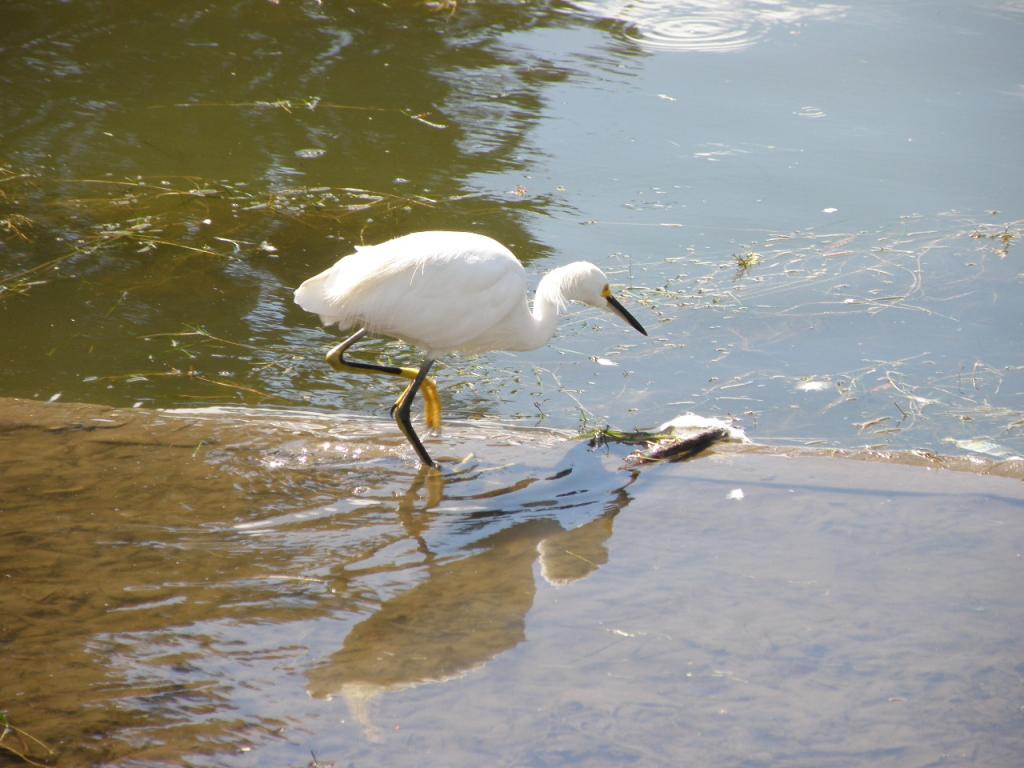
{"points": [[242, 588], [816, 210], [859, 159]]}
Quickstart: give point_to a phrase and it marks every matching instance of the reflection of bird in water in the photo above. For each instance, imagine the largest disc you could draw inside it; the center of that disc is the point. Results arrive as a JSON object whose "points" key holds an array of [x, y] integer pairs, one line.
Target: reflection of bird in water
{"points": [[464, 600], [445, 292], [465, 612]]}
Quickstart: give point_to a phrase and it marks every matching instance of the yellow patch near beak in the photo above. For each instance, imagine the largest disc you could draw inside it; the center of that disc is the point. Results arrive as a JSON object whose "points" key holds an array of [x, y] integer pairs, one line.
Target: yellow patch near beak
{"points": [[620, 310]]}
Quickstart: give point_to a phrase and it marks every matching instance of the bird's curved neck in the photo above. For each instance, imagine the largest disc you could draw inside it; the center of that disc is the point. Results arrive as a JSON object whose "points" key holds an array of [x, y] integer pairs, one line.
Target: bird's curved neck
{"points": [[548, 303]]}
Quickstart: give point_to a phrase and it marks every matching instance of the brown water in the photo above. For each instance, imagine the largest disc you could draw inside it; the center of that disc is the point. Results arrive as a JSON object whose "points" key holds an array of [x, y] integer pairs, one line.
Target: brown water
{"points": [[242, 588], [816, 210]]}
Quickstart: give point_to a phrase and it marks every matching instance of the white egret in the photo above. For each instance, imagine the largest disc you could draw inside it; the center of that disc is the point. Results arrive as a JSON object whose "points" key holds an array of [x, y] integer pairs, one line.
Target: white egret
{"points": [[444, 292]]}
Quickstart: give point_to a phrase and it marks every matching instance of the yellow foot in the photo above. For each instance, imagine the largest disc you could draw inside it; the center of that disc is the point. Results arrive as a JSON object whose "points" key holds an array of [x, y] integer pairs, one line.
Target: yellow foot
{"points": [[431, 400]]}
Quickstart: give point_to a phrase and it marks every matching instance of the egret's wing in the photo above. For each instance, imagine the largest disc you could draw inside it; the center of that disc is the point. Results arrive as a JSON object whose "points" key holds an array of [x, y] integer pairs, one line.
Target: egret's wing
{"points": [[333, 294], [439, 301], [436, 290]]}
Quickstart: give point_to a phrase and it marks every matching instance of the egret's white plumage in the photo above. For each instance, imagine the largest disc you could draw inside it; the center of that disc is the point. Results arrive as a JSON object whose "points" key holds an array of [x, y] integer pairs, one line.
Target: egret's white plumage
{"points": [[446, 292], [438, 291]]}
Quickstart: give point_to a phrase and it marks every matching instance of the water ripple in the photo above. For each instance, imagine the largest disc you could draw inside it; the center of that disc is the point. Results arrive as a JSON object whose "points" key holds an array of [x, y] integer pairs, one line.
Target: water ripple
{"points": [[705, 25], [810, 112]]}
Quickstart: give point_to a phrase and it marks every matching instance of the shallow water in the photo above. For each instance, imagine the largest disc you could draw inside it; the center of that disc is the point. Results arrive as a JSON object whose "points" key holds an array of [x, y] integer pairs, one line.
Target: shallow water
{"points": [[816, 210], [242, 588]]}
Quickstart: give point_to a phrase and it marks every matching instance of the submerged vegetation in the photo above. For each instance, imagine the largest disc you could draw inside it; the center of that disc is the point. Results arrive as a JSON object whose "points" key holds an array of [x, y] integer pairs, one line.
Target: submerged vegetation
{"points": [[182, 216], [140, 216], [1004, 237], [23, 745], [919, 284], [745, 262], [313, 103], [162, 252]]}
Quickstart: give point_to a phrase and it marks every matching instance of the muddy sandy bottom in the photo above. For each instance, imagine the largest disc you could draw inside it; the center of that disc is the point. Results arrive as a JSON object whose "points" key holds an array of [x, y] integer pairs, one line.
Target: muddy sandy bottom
{"points": [[243, 588]]}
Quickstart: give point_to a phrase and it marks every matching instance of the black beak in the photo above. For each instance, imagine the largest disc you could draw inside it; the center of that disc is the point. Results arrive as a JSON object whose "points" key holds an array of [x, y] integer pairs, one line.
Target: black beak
{"points": [[618, 309]]}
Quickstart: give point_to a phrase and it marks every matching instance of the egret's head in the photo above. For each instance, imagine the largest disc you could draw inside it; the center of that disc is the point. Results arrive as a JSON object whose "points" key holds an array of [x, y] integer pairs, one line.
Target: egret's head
{"points": [[584, 282]]}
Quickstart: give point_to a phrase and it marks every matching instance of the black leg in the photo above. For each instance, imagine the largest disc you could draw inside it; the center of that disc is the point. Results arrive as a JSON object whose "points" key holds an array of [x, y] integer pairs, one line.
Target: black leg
{"points": [[401, 414], [336, 358], [431, 400]]}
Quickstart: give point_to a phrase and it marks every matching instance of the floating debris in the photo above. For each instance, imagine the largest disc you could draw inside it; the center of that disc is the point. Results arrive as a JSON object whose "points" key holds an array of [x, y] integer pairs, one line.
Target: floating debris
{"points": [[983, 446], [678, 439]]}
